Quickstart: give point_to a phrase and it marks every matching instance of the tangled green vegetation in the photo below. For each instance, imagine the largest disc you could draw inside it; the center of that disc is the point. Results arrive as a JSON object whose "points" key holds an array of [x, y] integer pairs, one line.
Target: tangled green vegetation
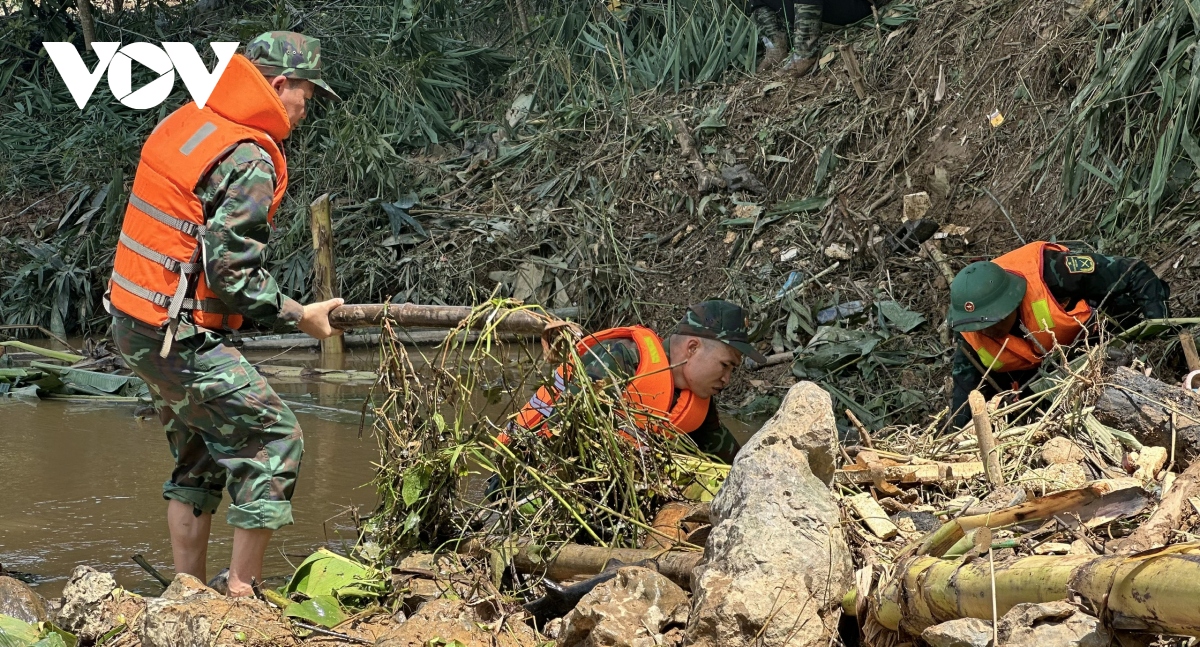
{"points": [[587, 476], [622, 157]]}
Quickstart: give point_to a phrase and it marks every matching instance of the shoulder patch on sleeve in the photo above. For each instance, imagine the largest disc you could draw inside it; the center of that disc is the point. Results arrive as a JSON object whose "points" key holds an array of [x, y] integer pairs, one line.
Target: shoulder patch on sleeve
{"points": [[1080, 264]]}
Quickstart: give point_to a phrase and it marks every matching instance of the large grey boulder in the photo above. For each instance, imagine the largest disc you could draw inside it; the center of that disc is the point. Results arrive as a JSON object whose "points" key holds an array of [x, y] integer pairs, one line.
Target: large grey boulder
{"points": [[20, 602], [776, 564], [634, 609]]}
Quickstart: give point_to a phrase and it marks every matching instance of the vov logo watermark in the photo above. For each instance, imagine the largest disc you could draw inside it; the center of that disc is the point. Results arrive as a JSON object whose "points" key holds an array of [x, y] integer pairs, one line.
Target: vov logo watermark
{"points": [[118, 61]]}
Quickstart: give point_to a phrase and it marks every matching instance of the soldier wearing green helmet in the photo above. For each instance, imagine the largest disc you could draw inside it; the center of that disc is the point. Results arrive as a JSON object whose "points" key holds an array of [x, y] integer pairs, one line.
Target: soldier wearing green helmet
{"points": [[1010, 313], [208, 185]]}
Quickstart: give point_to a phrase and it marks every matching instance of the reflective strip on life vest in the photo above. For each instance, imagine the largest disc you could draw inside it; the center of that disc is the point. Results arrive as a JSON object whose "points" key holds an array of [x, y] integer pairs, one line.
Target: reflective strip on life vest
{"points": [[171, 264], [1041, 312], [989, 361], [215, 306], [189, 228], [542, 407], [198, 137], [176, 302]]}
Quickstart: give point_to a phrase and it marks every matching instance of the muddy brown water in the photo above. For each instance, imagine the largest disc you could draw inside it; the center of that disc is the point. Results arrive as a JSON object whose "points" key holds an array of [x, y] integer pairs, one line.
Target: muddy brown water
{"points": [[84, 482]]}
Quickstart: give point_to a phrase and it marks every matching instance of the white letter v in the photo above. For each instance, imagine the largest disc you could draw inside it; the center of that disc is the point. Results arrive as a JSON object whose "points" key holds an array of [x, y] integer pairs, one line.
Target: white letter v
{"points": [[74, 73], [199, 81]]}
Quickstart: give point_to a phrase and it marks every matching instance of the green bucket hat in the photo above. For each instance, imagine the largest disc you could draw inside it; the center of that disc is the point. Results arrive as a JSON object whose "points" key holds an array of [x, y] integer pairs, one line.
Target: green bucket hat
{"points": [[291, 55], [983, 294], [720, 320]]}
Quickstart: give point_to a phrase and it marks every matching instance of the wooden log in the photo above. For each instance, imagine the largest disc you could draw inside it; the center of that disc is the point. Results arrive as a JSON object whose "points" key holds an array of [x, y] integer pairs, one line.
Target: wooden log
{"points": [[987, 442], [324, 270], [406, 336], [1143, 406], [430, 316], [573, 560], [873, 515], [1188, 344]]}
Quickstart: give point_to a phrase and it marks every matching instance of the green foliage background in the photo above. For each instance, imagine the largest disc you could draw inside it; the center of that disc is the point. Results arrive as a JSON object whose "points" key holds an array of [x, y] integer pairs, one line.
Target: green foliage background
{"points": [[414, 74]]}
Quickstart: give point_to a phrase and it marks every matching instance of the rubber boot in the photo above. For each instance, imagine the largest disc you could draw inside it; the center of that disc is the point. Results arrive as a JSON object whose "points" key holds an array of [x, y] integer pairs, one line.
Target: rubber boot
{"points": [[806, 40], [773, 37]]}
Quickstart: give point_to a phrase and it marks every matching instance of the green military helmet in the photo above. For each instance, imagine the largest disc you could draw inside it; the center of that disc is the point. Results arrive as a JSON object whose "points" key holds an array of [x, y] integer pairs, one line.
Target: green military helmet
{"points": [[983, 294], [291, 55], [723, 321]]}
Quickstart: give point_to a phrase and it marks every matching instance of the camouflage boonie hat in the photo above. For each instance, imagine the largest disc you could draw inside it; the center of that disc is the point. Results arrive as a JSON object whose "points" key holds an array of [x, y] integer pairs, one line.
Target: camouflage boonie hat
{"points": [[720, 320], [288, 54]]}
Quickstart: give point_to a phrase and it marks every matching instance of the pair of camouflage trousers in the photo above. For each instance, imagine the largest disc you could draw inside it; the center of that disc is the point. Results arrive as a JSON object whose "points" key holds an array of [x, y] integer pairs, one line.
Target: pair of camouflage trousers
{"points": [[226, 426]]}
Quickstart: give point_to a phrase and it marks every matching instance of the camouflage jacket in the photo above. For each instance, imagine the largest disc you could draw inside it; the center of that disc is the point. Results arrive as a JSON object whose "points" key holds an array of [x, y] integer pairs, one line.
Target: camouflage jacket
{"points": [[236, 196], [618, 358], [1123, 288]]}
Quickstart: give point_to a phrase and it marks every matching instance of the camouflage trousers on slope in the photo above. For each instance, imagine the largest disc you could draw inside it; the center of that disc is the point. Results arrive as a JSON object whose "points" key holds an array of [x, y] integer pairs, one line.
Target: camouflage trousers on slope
{"points": [[226, 426]]}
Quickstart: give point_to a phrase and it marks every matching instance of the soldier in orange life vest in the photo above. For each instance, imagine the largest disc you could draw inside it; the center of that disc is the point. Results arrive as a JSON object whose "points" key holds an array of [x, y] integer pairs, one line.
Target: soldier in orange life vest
{"points": [[1008, 314], [676, 381], [188, 268]]}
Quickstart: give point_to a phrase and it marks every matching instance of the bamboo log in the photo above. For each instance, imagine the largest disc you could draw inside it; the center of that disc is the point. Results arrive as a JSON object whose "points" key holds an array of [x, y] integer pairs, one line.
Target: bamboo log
{"points": [[430, 316], [987, 442], [573, 560], [1152, 592], [1144, 406], [324, 270]]}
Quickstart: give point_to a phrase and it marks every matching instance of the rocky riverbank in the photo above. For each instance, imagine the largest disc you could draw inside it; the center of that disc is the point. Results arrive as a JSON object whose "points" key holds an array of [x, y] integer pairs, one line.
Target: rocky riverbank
{"points": [[757, 579], [787, 561]]}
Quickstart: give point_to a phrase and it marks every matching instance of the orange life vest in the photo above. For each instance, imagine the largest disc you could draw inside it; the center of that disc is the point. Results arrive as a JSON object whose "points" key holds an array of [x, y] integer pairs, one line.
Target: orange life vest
{"points": [[650, 390], [160, 247], [1040, 313]]}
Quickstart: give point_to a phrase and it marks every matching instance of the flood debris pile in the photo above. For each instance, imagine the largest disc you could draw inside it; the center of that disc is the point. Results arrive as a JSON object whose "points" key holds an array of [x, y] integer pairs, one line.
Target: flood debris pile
{"points": [[1073, 508], [1067, 517]]}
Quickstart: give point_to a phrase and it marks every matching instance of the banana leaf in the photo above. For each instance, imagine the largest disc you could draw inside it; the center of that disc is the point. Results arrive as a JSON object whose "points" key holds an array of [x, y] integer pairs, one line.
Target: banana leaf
{"points": [[93, 383], [326, 574], [322, 610]]}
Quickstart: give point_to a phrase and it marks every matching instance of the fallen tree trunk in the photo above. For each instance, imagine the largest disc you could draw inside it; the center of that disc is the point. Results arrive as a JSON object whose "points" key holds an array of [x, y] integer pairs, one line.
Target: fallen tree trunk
{"points": [[572, 560], [1151, 592], [429, 316], [1144, 406]]}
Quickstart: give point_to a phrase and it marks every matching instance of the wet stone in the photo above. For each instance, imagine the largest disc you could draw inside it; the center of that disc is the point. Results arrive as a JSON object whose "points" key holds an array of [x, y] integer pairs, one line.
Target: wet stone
{"points": [[20, 601]]}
